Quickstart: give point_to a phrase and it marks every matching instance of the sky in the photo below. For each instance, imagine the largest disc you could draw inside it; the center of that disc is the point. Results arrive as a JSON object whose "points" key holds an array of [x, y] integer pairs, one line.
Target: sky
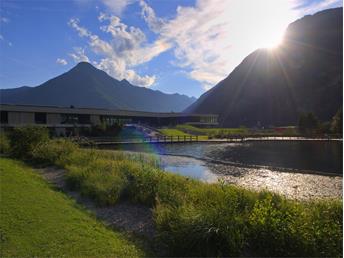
{"points": [[175, 46]]}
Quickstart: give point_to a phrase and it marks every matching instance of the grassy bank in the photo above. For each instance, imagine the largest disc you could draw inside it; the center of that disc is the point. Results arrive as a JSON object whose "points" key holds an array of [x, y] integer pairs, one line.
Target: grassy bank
{"points": [[37, 221], [230, 132], [195, 218]]}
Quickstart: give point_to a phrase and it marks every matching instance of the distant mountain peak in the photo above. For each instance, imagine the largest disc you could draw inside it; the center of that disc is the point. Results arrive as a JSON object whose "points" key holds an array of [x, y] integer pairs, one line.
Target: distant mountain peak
{"points": [[84, 66], [86, 86]]}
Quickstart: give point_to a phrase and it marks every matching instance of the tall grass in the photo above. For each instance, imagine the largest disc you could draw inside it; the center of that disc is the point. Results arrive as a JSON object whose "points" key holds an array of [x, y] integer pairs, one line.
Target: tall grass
{"points": [[199, 219]]}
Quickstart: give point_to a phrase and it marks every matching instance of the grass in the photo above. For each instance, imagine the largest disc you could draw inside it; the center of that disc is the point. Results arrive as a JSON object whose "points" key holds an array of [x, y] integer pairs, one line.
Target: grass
{"points": [[228, 132], [213, 132], [199, 219], [37, 221], [173, 132], [176, 132]]}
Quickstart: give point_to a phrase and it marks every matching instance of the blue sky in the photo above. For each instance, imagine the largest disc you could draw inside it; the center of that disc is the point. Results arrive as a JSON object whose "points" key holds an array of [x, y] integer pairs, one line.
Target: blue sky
{"points": [[183, 46]]}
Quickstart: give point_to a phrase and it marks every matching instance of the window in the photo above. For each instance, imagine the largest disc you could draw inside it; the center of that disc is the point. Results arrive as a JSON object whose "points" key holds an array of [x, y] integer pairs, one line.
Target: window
{"points": [[4, 117], [76, 119], [40, 118], [84, 119]]}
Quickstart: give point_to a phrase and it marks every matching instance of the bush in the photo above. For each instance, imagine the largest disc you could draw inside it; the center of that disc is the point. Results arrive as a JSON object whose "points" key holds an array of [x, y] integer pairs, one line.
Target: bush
{"points": [[54, 152], [4, 144], [276, 227], [23, 140]]}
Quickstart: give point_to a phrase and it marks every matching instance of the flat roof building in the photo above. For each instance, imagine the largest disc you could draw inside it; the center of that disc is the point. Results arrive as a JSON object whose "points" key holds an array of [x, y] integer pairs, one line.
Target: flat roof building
{"points": [[60, 118]]}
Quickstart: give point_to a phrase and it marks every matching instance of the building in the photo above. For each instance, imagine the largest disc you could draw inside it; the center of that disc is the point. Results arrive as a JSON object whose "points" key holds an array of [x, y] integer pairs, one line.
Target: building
{"points": [[62, 120]]}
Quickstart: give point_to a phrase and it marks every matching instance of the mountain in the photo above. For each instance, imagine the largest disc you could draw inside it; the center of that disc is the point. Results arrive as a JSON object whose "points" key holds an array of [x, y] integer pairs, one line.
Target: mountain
{"points": [[273, 87], [86, 86]]}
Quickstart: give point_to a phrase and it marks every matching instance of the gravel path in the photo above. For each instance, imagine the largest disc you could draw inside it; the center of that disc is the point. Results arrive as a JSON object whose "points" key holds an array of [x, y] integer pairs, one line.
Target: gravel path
{"points": [[131, 218]]}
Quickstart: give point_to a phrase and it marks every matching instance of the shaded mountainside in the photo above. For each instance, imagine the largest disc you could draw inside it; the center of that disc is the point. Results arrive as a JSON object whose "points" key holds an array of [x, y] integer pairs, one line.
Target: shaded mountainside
{"points": [[272, 87], [86, 86]]}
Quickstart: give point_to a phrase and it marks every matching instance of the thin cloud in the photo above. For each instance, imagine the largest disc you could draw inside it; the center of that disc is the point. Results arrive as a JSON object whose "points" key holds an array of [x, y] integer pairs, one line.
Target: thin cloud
{"points": [[4, 20], [79, 55], [318, 6], [117, 6], [61, 61]]}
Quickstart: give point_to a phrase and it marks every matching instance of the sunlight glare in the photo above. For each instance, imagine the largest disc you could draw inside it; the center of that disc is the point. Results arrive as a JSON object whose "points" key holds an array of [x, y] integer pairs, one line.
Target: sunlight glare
{"points": [[273, 17], [265, 21]]}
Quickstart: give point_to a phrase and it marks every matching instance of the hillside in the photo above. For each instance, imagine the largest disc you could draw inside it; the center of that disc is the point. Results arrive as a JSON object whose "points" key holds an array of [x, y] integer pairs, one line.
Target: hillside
{"points": [[87, 86], [272, 87]]}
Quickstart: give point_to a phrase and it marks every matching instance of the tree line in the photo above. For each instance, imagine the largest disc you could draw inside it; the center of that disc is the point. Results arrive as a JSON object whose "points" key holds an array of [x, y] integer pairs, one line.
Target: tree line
{"points": [[310, 124]]}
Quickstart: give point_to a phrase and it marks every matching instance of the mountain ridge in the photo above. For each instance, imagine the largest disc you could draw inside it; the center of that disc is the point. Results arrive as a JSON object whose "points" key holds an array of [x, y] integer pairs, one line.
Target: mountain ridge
{"points": [[273, 87], [86, 86]]}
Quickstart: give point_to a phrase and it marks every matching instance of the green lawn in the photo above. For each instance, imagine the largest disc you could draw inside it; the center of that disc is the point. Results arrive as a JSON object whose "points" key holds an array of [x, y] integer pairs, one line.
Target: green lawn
{"points": [[173, 132], [38, 221], [214, 132], [177, 132]]}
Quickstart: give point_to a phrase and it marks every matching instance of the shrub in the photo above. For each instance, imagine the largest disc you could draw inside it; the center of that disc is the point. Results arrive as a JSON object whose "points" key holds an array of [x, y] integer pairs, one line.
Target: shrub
{"points": [[54, 152], [4, 144], [23, 140], [276, 227]]}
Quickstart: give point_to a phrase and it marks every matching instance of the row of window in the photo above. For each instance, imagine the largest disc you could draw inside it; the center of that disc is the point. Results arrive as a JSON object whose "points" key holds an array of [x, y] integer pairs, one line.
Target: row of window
{"points": [[41, 118]]}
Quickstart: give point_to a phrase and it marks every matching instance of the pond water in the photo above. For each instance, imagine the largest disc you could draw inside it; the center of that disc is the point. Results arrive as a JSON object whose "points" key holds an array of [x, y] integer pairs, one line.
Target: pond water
{"points": [[310, 156], [298, 170]]}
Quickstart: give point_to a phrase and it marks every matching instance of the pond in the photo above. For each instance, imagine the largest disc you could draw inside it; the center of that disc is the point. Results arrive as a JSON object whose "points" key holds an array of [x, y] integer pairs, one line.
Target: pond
{"points": [[295, 169], [311, 156]]}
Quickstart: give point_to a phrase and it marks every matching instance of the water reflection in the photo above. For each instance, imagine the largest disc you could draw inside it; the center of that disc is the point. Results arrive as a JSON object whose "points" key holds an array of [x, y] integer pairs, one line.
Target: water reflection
{"points": [[319, 156], [292, 185], [188, 167]]}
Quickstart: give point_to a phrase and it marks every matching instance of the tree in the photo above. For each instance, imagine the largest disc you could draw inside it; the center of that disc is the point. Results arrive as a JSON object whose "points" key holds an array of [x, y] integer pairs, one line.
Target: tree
{"points": [[337, 122], [308, 123]]}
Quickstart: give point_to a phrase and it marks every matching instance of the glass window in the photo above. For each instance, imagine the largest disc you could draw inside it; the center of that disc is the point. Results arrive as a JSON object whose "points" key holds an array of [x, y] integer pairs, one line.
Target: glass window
{"points": [[4, 117], [40, 118]]}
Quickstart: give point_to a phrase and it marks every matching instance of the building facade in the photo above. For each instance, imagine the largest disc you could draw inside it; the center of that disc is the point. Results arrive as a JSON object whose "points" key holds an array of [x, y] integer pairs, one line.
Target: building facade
{"points": [[62, 120]]}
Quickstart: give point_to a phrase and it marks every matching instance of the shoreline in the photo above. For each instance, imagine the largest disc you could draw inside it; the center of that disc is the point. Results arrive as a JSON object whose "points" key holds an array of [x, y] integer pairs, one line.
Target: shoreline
{"points": [[242, 165], [298, 186]]}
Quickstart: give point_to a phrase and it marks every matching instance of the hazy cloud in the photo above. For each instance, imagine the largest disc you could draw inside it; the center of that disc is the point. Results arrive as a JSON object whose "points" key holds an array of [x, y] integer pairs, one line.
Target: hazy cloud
{"points": [[117, 6], [320, 5], [154, 23], [61, 61], [4, 20], [79, 55]]}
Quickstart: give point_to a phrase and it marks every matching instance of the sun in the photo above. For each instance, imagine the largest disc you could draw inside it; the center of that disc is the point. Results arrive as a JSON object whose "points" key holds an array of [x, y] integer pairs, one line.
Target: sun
{"points": [[271, 20], [271, 40]]}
